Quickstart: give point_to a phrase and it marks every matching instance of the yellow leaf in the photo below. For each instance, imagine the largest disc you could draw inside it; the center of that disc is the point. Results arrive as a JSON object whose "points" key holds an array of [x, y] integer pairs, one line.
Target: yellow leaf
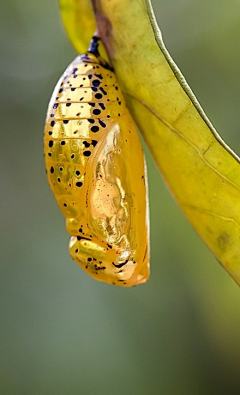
{"points": [[202, 173], [80, 24]]}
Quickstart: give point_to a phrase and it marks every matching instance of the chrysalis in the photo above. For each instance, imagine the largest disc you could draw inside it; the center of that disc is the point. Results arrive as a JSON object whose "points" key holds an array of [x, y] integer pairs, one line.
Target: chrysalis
{"points": [[96, 170]]}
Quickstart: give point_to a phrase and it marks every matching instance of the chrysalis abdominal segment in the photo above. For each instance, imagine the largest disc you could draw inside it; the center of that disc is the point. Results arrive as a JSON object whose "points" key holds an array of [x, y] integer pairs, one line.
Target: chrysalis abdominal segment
{"points": [[96, 170]]}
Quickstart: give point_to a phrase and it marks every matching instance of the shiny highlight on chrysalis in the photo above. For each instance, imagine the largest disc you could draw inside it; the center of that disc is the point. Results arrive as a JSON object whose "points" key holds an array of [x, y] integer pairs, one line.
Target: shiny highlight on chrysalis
{"points": [[96, 170]]}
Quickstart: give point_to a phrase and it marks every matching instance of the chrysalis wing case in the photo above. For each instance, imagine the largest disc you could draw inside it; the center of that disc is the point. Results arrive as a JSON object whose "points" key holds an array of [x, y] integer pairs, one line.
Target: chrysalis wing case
{"points": [[96, 170]]}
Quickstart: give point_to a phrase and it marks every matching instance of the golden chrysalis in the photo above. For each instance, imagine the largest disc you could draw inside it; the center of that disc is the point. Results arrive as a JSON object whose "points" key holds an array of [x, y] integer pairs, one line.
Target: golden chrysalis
{"points": [[96, 170]]}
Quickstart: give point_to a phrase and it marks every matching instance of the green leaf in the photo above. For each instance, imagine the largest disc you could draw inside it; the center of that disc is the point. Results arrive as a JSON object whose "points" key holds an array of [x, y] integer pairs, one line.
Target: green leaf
{"points": [[202, 173]]}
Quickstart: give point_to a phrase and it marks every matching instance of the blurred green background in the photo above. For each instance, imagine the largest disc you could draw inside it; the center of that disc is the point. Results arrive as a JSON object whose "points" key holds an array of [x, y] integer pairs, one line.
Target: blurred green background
{"points": [[62, 332]]}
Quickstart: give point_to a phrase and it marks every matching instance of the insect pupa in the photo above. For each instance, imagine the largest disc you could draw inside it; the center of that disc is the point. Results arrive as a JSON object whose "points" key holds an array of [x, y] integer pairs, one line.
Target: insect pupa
{"points": [[96, 170]]}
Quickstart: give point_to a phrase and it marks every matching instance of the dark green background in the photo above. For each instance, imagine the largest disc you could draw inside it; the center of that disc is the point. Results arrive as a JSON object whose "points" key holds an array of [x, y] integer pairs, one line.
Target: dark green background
{"points": [[63, 333]]}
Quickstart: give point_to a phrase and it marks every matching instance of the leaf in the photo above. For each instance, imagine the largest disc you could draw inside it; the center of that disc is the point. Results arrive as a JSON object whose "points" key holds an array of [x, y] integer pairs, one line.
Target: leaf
{"points": [[80, 24], [201, 171], [78, 19]]}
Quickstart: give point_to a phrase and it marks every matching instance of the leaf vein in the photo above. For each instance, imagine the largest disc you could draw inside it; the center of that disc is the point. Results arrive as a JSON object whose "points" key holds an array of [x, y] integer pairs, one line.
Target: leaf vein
{"points": [[201, 155]]}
